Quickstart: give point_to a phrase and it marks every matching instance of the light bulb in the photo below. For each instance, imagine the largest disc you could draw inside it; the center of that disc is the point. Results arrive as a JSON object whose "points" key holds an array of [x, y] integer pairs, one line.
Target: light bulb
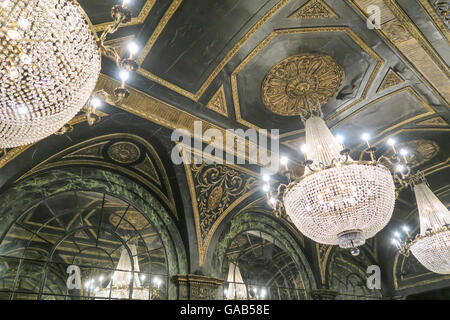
{"points": [[395, 241], [13, 73], [405, 228], [25, 58], [284, 160], [340, 138], [396, 234], [23, 23], [124, 75], [133, 48], [22, 109], [266, 188], [400, 168], [391, 142], [96, 102], [304, 148], [403, 152], [13, 34], [365, 136], [266, 177], [272, 200], [100, 278]]}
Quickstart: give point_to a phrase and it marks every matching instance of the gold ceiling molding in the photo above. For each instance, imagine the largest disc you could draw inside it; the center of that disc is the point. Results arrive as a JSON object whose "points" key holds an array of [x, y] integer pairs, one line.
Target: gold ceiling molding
{"points": [[166, 115], [314, 9], [390, 79], [218, 102], [92, 151], [401, 32], [215, 191], [122, 152], [301, 83], [159, 28], [196, 96], [436, 19], [148, 5], [347, 30], [323, 253], [120, 45], [436, 121]]}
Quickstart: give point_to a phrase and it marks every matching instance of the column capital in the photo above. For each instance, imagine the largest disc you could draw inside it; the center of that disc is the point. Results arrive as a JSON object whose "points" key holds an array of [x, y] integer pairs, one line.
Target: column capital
{"points": [[197, 287]]}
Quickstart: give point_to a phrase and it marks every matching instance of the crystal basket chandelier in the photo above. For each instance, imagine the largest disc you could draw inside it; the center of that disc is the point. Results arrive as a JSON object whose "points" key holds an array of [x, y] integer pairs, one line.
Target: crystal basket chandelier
{"points": [[50, 60], [432, 245], [335, 199], [123, 279], [338, 200]]}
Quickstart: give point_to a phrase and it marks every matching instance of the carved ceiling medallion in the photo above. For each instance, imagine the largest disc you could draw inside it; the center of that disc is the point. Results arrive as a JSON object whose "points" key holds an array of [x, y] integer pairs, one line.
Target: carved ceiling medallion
{"points": [[301, 83], [420, 151], [124, 152]]}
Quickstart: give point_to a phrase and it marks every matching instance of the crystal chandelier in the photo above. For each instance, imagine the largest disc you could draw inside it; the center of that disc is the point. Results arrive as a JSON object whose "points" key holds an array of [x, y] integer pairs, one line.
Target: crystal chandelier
{"points": [[237, 290], [124, 278], [432, 246], [337, 200], [50, 63]]}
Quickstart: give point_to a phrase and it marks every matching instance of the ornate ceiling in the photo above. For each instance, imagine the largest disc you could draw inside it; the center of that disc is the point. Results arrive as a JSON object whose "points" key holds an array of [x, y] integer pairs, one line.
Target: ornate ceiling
{"points": [[232, 64]]}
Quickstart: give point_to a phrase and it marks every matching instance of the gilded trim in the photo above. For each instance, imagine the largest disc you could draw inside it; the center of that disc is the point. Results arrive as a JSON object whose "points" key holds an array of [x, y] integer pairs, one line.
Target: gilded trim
{"points": [[148, 5]]}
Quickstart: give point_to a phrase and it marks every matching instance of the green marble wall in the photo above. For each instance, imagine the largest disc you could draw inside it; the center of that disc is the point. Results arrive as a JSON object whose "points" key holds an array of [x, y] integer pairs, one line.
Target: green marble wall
{"points": [[24, 194], [259, 222]]}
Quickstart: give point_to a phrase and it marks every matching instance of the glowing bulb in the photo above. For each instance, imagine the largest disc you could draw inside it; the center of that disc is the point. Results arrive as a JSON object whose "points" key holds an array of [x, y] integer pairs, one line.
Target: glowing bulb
{"points": [[266, 188], [23, 23], [133, 48], [405, 228], [13, 73], [395, 241], [304, 148], [266, 178], [25, 58], [396, 234], [365, 136], [400, 168], [340, 138], [391, 142], [100, 278], [263, 293], [143, 277], [272, 200], [96, 102], [284, 160], [403, 152], [23, 110], [13, 34], [124, 75]]}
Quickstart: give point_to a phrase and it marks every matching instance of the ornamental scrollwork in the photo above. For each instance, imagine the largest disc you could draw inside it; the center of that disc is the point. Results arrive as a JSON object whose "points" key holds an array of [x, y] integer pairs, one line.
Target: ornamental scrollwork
{"points": [[217, 187]]}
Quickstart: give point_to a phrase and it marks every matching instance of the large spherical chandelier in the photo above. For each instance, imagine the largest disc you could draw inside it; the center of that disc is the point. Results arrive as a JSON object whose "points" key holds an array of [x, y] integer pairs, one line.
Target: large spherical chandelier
{"points": [[337, 200], [50, 65], [432, 245], [50, 60]]}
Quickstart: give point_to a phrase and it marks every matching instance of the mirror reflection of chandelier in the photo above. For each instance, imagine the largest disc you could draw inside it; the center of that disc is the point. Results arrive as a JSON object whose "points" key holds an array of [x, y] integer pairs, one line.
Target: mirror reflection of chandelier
{"points": [[236, 287], [432, 246], [123, 278]]}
